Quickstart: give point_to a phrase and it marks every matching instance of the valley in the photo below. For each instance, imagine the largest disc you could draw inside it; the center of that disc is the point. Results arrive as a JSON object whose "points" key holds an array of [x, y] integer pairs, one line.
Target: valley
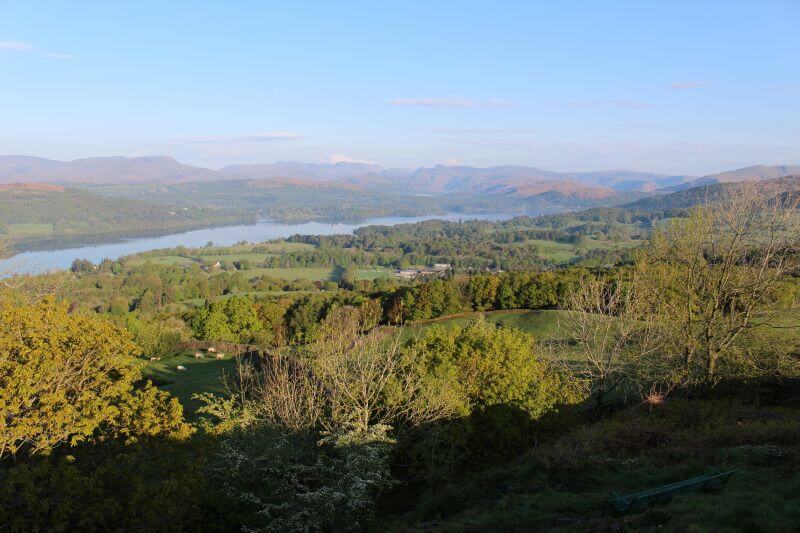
{"points": [[434, 267], [101, 200], [555, 314]]}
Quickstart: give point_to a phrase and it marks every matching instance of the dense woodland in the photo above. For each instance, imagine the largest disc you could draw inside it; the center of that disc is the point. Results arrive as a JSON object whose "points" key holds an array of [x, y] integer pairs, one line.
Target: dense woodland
{"points": [[382, 404]]}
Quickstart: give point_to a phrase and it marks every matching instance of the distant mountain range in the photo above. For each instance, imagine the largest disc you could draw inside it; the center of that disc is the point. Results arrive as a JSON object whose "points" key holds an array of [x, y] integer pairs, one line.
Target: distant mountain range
{"points": [[26, 169], [442, 179], [710, 192], [753, 173]]}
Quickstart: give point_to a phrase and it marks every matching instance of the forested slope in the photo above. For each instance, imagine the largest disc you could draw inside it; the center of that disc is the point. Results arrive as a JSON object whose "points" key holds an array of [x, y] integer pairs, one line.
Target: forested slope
{"points": [[28, 211]]}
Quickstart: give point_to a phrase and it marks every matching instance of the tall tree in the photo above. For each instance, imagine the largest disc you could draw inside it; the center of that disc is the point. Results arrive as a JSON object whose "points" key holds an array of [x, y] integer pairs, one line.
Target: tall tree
{"points": [[64, 377], [492, 366], [615, 337], [714, 276]]}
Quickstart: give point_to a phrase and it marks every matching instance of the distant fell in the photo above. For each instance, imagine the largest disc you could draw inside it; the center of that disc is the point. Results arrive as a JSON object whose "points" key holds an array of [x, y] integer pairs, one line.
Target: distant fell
{"points": [[28, 169], [709, 191], [513, 180], [752, 173]]}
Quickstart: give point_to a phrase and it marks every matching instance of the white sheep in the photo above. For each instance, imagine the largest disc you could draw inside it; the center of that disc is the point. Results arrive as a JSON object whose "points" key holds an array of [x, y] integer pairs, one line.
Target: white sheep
{"points": [[198, 355], [181, 368]]}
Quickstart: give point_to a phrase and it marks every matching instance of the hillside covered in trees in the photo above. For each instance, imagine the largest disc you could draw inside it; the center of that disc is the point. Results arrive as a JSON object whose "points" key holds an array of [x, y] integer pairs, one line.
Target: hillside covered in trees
{"points": [[36, 211]]}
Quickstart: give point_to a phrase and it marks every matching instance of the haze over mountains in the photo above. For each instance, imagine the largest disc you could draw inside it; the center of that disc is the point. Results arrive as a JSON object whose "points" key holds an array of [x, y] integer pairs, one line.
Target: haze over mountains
{"points": [[442, 179], [26, 169]]}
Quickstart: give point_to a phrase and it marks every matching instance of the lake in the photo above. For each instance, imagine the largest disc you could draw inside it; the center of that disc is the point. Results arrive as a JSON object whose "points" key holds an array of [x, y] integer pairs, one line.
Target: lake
{"points": [[61, 258]]}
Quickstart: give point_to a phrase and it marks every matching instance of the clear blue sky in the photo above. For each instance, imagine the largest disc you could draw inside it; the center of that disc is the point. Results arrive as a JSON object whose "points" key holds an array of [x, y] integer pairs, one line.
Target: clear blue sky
{"points": [[679, 87]]}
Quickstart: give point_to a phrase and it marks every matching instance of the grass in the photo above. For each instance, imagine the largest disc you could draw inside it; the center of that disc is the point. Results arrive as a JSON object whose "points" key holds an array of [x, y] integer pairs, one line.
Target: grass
{"points": [[161, 260], [312, 273], [282, 247], [254, 258], [373, 273], [309, 273], [231, 253], [542, 324], [201, 375], [553, 251], [29, 230], [564, 481], [197, 302], [561, 252]]}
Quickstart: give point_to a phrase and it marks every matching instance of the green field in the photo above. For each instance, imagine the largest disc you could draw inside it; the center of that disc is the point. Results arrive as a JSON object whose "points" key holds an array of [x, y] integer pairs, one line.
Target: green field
{"points": [[197, 302], [560, 252], [311, 273], [201, 375], [161, 260], [254, 258], [255, 253], [373, 273], [29, 230], [543, 325], [281, 247], [554, 251]]}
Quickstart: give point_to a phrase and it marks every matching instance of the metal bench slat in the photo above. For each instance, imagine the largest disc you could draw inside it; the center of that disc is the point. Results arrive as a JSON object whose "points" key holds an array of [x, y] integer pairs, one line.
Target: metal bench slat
{"points": [[629, 501]]}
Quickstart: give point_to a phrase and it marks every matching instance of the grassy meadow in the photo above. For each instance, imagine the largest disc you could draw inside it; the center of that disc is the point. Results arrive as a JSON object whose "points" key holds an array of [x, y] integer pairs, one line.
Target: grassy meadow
{"points": [[255, 254], [541, 324], [17, 231], [201, 375]]}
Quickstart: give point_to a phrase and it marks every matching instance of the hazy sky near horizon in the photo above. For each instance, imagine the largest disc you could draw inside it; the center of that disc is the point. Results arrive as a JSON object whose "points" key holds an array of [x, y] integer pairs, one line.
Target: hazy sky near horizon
{"points": [[676, 87]]}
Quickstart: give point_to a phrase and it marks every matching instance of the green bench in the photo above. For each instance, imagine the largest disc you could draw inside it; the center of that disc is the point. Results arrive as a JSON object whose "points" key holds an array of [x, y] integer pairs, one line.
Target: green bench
{"points": [[635, 502]]}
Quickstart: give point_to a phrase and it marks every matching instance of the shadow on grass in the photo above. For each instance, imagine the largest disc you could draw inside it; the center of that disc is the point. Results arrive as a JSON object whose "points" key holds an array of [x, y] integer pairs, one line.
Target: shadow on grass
{"points": [[495, 470]]}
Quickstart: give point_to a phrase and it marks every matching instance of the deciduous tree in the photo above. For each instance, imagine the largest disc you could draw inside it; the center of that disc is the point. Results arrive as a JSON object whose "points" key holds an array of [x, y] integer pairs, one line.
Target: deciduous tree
{"points": [[492, 366], [714, 276], [614, 334], [65, 376]]}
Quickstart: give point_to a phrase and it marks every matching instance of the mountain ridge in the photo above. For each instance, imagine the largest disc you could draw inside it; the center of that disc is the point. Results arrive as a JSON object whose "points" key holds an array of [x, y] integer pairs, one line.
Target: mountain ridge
{"points": [[699, 194], [439, 179]]}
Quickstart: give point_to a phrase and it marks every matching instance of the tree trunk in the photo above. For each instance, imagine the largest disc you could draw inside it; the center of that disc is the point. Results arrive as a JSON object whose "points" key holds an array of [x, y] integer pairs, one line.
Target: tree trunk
{"points": [[711, 366]]}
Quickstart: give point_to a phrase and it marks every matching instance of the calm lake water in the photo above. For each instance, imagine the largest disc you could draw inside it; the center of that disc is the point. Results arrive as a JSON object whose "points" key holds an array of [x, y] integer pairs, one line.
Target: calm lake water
{"points": [[61, 257]]}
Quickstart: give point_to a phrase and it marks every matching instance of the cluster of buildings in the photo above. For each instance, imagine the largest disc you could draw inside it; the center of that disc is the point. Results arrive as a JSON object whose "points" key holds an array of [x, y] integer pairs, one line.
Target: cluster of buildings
{"points": [[439, 269]]}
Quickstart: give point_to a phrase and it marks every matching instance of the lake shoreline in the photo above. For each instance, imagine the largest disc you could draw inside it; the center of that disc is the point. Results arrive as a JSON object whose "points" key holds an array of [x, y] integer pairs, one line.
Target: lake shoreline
{"points": [[63, 251], [55, 242]]}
